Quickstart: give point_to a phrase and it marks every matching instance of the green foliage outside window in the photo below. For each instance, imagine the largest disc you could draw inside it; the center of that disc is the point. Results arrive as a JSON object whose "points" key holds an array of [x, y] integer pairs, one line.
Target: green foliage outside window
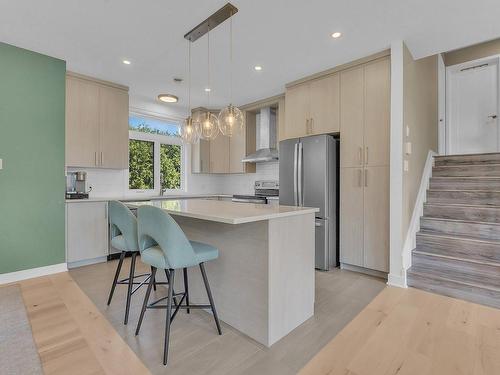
{"points": [[170, 166], [141, 164]]}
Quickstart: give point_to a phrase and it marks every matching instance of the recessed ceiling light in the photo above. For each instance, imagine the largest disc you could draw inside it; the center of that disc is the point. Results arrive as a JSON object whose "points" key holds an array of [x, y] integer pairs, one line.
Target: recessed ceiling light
{"points": [[208, 89], [127, 62], [336, 35], [168, 98], [258, 67]]}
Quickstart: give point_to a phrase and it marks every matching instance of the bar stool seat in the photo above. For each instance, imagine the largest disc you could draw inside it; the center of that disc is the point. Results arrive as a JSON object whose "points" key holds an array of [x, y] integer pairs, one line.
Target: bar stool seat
{"points": [[119, 243], [155, 256], [204, 252]]}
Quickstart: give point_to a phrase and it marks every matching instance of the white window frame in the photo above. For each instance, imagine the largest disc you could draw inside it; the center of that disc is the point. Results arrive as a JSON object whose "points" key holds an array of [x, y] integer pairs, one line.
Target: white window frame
{"points": [[158, 140]]}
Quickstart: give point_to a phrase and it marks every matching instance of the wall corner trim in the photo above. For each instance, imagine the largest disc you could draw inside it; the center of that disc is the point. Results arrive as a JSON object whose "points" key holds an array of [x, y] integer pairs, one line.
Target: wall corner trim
{"points": [[397, 281], [13, 277]]}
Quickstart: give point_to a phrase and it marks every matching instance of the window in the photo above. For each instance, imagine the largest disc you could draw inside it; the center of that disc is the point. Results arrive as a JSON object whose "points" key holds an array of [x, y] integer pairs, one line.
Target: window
{"points": [[156, 155]]}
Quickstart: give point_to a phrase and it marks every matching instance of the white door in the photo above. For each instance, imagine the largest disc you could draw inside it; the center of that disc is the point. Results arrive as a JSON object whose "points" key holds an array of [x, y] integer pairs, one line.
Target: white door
{"points": [[472, 123]]}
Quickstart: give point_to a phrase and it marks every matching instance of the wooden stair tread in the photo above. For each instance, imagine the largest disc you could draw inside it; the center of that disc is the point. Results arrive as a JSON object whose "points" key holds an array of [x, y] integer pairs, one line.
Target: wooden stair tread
{"points": [[457, 236], [465, 191], [475, 261], [482, 206], [436, 276], [465, 155], [460, 221]]}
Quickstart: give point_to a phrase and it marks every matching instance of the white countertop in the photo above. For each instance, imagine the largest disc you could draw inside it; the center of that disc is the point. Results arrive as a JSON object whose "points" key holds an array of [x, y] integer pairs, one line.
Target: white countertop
{"points": [[225, 211], [137, 198]]}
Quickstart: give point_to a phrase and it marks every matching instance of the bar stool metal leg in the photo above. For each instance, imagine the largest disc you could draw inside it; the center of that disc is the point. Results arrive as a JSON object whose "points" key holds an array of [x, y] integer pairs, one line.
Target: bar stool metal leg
{"points": [[210, 298], [130, 285], [169, 315], [146, 299], [154, 281], [186, 288], [117, 274]]}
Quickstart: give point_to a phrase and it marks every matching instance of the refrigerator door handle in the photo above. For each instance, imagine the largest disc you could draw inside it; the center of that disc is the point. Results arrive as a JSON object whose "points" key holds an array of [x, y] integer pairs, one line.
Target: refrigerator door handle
{"points": [[299, 182], [295, 197]]}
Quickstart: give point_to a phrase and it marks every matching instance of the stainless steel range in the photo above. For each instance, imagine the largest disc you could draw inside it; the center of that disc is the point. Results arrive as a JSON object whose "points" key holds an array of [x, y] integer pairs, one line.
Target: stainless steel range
{"points": [[266, 191]]}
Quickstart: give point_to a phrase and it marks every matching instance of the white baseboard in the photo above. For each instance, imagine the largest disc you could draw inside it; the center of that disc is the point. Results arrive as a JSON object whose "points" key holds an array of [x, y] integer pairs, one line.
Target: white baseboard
{"points": [[397, 280], [418, 211], [13, 277], [87, 262]]}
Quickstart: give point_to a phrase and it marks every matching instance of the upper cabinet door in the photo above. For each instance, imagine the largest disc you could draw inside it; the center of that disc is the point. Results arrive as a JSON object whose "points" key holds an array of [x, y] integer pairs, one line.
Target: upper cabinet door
{"points": [[113, 115], [219, 154], [325, 105], [237, 151], [82, 123], [296, 111], [377, 112], [351, 117]]}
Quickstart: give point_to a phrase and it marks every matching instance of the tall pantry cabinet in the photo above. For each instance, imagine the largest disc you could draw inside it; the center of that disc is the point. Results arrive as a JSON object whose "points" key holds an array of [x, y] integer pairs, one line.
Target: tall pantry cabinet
{"points": [[364, 165]]}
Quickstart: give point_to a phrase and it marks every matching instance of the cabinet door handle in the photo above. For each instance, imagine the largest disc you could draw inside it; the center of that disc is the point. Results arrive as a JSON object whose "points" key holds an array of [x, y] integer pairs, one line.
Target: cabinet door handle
{"points": [[360, 155], [366, 155], [95, 158], [101, 159], [360, 177], [307, 126], [311, 125], [106, 211], [366, 177]]}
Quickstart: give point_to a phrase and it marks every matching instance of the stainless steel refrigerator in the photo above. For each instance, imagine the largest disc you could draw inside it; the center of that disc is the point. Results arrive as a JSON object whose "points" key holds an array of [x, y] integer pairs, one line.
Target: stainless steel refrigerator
{"points": [[308, 171]]}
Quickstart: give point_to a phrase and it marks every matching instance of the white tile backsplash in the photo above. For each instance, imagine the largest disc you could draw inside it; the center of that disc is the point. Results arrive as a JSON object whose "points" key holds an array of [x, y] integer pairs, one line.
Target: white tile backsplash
{"points": [[113, 183]]}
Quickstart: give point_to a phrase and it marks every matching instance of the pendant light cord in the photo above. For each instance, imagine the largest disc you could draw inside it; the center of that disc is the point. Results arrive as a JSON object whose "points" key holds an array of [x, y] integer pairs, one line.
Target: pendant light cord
{"points": [[231, 59], [208, 66], [189, 77]]}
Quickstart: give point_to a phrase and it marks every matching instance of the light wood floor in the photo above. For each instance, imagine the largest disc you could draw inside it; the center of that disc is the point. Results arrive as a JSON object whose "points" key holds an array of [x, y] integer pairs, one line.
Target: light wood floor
{"points": [[197, 349], [71, 335], [408, 331]]}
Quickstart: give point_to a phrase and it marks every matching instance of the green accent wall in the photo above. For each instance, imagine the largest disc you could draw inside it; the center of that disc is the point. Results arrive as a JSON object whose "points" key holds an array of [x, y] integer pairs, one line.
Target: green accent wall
{"points": [[32, 181]]}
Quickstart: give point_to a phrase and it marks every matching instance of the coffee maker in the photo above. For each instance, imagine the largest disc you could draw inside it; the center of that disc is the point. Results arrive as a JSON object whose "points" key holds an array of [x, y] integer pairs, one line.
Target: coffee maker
{"points": [[76, 185]]}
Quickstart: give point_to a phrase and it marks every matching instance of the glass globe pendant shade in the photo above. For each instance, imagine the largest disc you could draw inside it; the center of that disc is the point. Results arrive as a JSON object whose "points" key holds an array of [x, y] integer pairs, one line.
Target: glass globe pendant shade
{"points": [[208, 126], [231, 121], [188, 131]]}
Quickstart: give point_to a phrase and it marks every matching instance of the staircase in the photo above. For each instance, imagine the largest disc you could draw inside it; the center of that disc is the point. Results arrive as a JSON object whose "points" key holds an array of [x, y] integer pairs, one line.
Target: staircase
{"points": [[458, 246]]}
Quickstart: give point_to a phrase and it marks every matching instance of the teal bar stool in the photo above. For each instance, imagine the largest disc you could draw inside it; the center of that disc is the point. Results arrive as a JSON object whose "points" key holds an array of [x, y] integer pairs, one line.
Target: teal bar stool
{"points": [[164, 245], [123, 227]]}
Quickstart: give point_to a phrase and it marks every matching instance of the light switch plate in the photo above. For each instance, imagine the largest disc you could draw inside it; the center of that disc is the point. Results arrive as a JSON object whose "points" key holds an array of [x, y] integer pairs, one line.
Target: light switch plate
{"points": [[1, 164], [407, 131]]}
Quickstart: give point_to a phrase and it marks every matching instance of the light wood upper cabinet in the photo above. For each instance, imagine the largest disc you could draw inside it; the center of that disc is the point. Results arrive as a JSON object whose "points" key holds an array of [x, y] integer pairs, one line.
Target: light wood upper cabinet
{"points": [[312, 108], [351, 117], [377, 112], [324, 99], [96, 123], [376, 218], [82, 123], [113, 119], [219, 154], [296, 112]]}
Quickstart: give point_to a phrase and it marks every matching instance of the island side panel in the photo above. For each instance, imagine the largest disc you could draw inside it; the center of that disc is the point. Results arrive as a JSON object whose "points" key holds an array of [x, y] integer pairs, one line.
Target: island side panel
{"points": [[291, 273], [238, 278]]}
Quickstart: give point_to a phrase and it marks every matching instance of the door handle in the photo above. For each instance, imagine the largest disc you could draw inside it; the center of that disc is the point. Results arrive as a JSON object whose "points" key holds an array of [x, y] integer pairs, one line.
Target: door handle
{"points": [[101, 159], [366, 177], [366, 155], [95, 158], [295, 166], [492, 116], [360, 177], [360, 155], [299, 182]]}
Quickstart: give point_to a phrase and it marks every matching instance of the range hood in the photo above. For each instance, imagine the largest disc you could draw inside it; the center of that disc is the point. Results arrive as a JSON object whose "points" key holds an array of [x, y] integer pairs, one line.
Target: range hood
{"points": [[265, 137]]}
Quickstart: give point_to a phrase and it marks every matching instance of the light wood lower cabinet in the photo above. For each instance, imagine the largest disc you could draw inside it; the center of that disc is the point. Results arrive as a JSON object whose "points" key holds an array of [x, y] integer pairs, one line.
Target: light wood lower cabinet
{"points": [[86, 231], [351, 216], [364, 217]]}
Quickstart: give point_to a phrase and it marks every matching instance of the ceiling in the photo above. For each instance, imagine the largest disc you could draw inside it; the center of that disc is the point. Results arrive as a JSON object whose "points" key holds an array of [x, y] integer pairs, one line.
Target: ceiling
{"points": [[288, 38]]}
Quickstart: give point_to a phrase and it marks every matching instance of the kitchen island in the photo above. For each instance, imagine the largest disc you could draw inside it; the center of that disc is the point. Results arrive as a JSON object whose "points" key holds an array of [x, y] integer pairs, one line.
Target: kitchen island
{"points": [[263, 280]]}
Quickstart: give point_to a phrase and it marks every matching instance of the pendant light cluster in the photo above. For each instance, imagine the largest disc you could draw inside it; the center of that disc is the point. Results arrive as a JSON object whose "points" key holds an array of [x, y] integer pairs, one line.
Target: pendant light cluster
{"points": [[206, 125]]}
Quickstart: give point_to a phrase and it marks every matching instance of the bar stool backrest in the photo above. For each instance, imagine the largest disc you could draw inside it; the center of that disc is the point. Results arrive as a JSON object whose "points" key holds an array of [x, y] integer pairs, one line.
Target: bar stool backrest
{"points": [[123, 222], [157, 227]]}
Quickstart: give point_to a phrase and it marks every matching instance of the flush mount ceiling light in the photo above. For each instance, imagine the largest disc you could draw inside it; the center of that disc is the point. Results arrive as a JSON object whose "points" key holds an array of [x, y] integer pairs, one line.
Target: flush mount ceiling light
{"points": [[126, 62], [336, 35], [258, 67], [168, 98], [208, 89]]}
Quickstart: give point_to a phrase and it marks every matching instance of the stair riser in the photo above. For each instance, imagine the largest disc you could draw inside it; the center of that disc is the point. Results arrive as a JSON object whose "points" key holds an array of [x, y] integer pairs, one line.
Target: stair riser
{"points": [[467, 171], [457, 270], [468, 159], [464, 197], [464, 184], [488, 215], [459, 248], [455, 290], [474, 230]]}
